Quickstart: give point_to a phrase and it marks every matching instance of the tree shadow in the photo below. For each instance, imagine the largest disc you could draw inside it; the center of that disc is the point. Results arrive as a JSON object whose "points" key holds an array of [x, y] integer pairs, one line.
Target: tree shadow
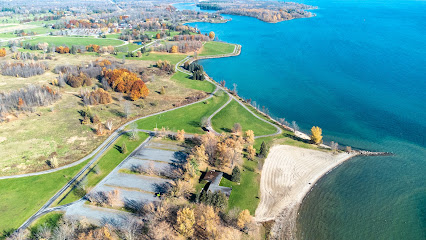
{"points": [[119, 148], [195, 124], [296, 138], [226, 129], [117, 113], [162, 188]]}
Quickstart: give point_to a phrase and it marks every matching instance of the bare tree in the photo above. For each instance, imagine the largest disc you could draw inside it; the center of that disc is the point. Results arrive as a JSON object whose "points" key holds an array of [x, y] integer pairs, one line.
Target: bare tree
{"points": [[334, 146], [294, 126], [109, 124], [234, 90]]}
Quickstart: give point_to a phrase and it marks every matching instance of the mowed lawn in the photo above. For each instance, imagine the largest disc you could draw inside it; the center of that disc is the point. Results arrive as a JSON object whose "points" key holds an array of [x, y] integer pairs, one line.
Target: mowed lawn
{"points": [[186, 81], [245, 195], [216, 48], [69, 41], [173, 58], [235, 113], [187, 118], [22, 197], [107, 163]]}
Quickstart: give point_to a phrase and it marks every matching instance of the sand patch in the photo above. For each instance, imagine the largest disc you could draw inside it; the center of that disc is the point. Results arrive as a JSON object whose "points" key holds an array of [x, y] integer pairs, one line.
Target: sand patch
{"points": [[287, 176]]}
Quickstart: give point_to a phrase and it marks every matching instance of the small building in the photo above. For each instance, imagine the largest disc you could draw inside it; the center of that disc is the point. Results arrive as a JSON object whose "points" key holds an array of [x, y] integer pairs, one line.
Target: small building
{"points": [[214, 177]]}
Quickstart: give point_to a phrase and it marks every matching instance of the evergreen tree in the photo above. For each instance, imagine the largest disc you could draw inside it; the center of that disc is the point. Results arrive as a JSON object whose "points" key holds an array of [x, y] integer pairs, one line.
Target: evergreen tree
{"points": [[236, 174], [263, 150]]}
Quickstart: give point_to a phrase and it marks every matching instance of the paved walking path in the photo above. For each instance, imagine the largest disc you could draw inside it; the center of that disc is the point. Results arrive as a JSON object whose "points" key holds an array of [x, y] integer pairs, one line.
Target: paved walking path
{"points": [[111, 139], [237, 50]]}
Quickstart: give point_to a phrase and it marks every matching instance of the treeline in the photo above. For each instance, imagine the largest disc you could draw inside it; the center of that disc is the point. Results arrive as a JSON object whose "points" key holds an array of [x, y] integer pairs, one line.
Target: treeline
{"points": [[179, 47], [196, 69], [98, 96], [267, 15], [25, 99], [25, 69], [197, 37], [78, 76], [125, 81]]}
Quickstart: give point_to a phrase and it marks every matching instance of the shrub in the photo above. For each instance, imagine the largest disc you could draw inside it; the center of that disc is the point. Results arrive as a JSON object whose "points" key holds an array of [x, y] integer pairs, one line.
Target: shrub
{"points": [[236, 174]]}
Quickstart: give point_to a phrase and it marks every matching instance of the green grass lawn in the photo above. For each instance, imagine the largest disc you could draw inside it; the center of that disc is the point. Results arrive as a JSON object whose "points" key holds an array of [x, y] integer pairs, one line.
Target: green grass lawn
{"points": [[69, 41], [171, 57], [216, 48], [187, 118], [114, 35], [22, 197], [7, 35], [235, 113], [246, 195], [185, 80], [106, 164], [50, 220]]}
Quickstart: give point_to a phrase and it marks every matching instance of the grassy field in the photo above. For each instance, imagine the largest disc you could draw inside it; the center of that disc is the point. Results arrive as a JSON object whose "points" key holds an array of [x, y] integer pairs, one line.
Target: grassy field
{"points": [[50, 220], [31, 138], [173, 58], [69, 41], [216, 48], [235, 113], [187, 118], [22, 197], [106, 164], [246, 194], [186, 81]]}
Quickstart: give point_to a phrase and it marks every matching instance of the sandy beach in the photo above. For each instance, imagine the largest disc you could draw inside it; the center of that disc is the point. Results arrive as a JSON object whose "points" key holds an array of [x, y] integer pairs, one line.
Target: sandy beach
{"points": [[288, 175]]}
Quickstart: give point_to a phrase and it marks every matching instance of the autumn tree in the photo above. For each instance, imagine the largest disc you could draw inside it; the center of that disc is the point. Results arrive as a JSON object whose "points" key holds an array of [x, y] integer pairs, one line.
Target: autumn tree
{"points": [[158, 36], [251, 152], [249, 136], [207, 221], [185, 221], [100, 130], [199, 153], [209, 141], [316, 135], [243, 219], [180, 136], [174, 49], [211, 35], [2, 52], [181, 188], [163, 90]]}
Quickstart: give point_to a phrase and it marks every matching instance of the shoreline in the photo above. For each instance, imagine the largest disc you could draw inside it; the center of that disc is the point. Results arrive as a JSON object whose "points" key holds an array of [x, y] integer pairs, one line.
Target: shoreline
{"points": [[288, 176]]}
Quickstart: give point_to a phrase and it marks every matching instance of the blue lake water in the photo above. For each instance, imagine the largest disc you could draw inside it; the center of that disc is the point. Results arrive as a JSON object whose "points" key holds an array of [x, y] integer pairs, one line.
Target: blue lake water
{"points": [[357, 70]]}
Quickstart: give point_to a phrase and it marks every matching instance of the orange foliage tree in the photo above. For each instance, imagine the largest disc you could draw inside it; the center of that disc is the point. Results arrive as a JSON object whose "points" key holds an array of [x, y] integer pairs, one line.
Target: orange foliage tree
{"points": [[174, 49], [158, 36], [93, 48], [2, 52], [211, 35], [122, 80]]}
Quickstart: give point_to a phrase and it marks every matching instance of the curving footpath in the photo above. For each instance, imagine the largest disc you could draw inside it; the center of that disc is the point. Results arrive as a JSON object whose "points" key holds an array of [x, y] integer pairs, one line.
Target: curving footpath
{"points": [[237, 50], [99, 151]]}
